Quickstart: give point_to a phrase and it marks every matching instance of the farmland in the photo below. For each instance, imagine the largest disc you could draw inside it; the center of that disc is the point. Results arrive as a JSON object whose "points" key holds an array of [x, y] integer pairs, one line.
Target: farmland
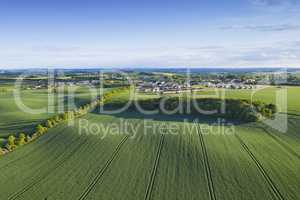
{"points": [[152, 161], [15, 120], [267, 94]]}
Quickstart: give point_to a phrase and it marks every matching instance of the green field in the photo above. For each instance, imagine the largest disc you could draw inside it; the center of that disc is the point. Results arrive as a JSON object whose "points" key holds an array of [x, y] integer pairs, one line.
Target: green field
{"points": [[253, 162], [14, 120], [267, 94]]}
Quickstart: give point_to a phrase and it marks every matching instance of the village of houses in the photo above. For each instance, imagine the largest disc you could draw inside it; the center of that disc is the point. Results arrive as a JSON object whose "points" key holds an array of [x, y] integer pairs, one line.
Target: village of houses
{"points": [[161, 86], [164, 87]]}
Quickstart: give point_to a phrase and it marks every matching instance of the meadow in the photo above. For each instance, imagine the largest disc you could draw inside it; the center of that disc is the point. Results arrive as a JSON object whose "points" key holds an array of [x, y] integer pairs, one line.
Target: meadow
{"points": [[290, 96], [266, 94], [197, 161], [15, 120]]}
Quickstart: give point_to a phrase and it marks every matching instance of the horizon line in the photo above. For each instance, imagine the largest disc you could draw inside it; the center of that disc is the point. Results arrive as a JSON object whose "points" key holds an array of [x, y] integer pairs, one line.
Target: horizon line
{"points": [[149, 67]]}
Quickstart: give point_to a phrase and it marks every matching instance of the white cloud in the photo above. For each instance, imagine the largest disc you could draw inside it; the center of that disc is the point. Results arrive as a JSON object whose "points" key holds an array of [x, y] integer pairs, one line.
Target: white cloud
{"points": [[272, 55], [264, 28], [274, 2]]}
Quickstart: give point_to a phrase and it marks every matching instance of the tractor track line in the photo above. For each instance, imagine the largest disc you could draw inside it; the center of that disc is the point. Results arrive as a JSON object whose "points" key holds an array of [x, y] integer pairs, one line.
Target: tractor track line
{"points": [[149, 189], [101, 172], [276, 139], [263, 172], [210, 183], [294, 125], [58, 165]]}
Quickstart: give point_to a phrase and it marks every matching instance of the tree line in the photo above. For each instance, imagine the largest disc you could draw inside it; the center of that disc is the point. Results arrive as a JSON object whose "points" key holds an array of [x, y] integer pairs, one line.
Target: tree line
{"points": [[235, 109]]}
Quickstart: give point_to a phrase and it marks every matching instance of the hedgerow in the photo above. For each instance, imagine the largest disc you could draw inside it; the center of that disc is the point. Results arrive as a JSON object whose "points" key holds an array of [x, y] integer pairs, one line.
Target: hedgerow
{"points": [[242, 110]]}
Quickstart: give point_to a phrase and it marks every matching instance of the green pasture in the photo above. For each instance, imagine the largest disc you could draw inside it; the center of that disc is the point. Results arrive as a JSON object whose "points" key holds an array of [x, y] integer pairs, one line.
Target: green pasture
{"points": [[282, 96], [68, 163], [14, 119]]}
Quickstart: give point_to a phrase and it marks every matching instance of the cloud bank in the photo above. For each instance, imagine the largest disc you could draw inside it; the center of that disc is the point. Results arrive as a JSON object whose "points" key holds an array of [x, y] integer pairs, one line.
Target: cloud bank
{"points": [[284, 54], [265, 28], [274, 2]]}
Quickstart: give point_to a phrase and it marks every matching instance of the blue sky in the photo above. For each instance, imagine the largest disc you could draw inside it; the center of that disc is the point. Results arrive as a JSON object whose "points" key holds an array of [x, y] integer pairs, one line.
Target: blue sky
{"points": [[156, 33]]}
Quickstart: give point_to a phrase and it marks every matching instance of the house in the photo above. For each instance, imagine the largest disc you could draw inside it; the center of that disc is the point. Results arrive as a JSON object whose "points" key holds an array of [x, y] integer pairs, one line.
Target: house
{"points": [[156, 89]]}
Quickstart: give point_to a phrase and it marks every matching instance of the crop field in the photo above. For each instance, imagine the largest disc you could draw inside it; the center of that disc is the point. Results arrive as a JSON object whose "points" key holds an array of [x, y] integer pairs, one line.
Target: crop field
{"points": [[267, 94], [149, 160], [64, 164], [15, 120]]}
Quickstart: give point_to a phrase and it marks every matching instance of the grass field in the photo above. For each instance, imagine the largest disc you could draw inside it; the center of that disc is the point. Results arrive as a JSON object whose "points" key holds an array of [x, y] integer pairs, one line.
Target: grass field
{"points": [[14, 120], [267, 94], [253, 162]]}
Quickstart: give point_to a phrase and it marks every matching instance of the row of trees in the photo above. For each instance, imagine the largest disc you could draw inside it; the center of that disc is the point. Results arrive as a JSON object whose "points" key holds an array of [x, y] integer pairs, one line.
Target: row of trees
{"points": [[14, 142]]}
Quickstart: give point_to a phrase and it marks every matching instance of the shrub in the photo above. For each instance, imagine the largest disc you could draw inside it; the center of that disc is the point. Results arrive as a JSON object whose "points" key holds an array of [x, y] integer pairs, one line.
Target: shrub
{"points": [[49, 124], [57, 119], [40, 129], [28, 138], [10, 145], [64, 116], [272, 107], [21, 139]]}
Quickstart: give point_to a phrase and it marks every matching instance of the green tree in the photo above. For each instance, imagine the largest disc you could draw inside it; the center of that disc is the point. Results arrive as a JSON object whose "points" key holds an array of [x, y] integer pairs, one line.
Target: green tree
{"points": [[28, 138], [21, 139], [10, 145], [65, 116], [40, 129], [57, 119], [49, 123]]}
